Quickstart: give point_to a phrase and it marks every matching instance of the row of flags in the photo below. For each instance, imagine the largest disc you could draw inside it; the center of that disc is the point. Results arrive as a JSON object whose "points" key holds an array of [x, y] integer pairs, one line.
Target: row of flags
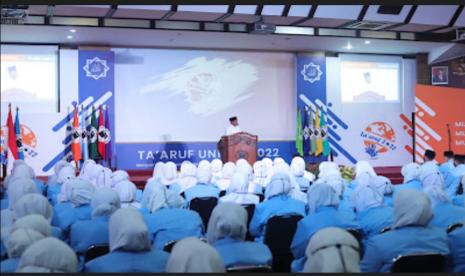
{"points": [[13, 141], [91, 141], [311, 134]]}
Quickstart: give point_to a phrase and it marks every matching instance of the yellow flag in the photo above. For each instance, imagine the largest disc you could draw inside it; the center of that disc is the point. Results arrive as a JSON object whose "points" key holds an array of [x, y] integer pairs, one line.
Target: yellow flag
{"points": [[319, 138]]}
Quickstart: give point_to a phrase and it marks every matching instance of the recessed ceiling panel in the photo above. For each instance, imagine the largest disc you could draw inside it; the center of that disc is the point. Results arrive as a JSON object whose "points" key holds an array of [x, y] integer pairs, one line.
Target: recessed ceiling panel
{"points": [[241, 18], [415, 28], [273, 10], [204, 8], [77, 10], [324, 22], [299, 10], [37, 9], [141, 11], [338, 11], [245, 9], [195, 16], [460, 20], [433, 14]]}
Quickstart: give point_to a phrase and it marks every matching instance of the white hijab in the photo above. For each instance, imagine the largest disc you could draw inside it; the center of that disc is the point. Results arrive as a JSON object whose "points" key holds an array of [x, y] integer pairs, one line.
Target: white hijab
{"points": [[103, 179], [104, 202], [333, 250], [126, 191], [127, 231], [169, 173], [227, 220], [280, 184], [363, 172], [66, 173], [410, 172], [296, 193], [81, 192], [118, 176], [333, 178], [436, 195], [259, 173], [33, 204], [216, 167], [35, 222], [204, 165], [244, 167], [57, 168], [326, 167], [194, 256], [430, 176], [411, 207], [157, 170], [298, 166], [238, 191], [226, 174], [86, 170], [382, 184], [19, 240], [366, 197], [321, 194], [204, 174], [18, 188], [188, 176], [268, 168], [48, 255]]}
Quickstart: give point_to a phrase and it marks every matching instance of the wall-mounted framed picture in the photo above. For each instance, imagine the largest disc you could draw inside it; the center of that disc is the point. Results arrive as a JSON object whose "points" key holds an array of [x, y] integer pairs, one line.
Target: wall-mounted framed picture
{"points": [[439, 75]]}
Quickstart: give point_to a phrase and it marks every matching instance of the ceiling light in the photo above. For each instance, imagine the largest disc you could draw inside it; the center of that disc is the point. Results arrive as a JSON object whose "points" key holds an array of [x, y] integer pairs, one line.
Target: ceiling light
{"points": [[367, 42], [69, 37], [348, 46], [73, 30]]}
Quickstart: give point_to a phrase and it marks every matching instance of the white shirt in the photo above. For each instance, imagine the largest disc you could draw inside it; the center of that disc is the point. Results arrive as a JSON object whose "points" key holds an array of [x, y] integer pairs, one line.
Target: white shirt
{"points": [[232, 130]]}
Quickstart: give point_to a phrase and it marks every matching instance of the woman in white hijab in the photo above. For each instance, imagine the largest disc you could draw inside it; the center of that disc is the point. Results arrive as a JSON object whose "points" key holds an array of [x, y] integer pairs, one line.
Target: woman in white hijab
{"points": [[36, 204], [410, 234], [78, 207], [298, 170], [430, 176], [23, 233], [157, 175], [372, 215], [226, 174], [278, 202], [18, 187], [384, 187], [445, 213], [87, 169], [61, 189], [104, 178], [48, 255], [216, 167], [204, 164], [268, 168], [127, 194], [168, 221], [85, 233], [259, 174], [411, 174], [53, 179], [194, 256], [363, 172], [227, 229], [332, 250], [170, 176], [187, 176], [129, 240], [322, 212], [238, 191], [242, 166], [278, 160], [118, 176], [296, 193], [204, 187]]}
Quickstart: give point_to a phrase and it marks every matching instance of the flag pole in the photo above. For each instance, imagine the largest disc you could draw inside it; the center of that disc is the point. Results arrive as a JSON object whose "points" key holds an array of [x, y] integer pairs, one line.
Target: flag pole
{"points": [[76, 170]]}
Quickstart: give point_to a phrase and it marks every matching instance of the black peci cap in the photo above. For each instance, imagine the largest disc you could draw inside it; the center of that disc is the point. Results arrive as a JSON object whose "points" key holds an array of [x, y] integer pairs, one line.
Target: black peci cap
{"points": [[232, 118]]}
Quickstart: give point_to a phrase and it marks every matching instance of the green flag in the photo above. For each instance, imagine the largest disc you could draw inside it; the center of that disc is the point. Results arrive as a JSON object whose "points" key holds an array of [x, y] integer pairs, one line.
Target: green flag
{"points": [[299, 145], [93, 133], [324, 135], [312, 133]]}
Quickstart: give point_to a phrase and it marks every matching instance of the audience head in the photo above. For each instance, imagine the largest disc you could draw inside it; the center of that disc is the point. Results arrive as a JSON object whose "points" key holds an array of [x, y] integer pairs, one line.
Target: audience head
{"points": [[298, 166], [87, 169], [204, 165], [410, 172], [60, 165], [436, 195], [245, 168], [327, 167], [169, 173], [23, 170], [126, 191], [33, 204], [280, 184], [382, 184], [19, 187], [161, 197], [204, 175], [48, 255], [239, 183], [228, 170], [19, 240], [319, 195], [332, 250], [118, 176], [363, 172], [429, 155], [188, 169], [459, 159], [104, 202], [66, 173], [80, 192], [365, 198], [103, 179], [216, 166], [127, 231], [448, 155], [411, 207], [194, 256], [227, 220], [157, 170], [334, 179], [35, 222]]}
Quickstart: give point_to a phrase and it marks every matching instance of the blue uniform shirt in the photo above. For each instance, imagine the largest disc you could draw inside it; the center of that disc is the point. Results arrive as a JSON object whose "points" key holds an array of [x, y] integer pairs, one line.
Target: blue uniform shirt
{"points": [[9, 265], [237, 253], [446, 167], [121, 261], [445, 214], [412, 184], [64, 214], [201, 190], [457, 249], [277, 205], [373, 220], [170, 224], [453, 179], [382, 249]]}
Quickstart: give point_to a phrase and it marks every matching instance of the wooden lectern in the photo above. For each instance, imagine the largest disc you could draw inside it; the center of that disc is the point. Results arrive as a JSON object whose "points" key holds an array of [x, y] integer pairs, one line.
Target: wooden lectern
{"points": [[239, 145]]}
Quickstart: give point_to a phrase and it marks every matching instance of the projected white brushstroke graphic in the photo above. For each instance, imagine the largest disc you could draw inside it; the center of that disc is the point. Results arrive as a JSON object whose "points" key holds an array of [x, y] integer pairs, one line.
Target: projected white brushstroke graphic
{"points": [[208, 86]]}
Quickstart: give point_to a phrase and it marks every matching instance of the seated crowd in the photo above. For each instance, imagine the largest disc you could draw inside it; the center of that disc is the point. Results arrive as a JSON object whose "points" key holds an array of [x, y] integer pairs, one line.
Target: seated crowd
{"points": [[98, 221]]}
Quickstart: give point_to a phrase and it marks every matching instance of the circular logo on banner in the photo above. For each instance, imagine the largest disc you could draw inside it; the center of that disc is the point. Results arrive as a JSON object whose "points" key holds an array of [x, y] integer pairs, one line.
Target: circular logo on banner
{"points": [[76, 134], [28, 140], [104, 135], [378, 138], [92, 134]]}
